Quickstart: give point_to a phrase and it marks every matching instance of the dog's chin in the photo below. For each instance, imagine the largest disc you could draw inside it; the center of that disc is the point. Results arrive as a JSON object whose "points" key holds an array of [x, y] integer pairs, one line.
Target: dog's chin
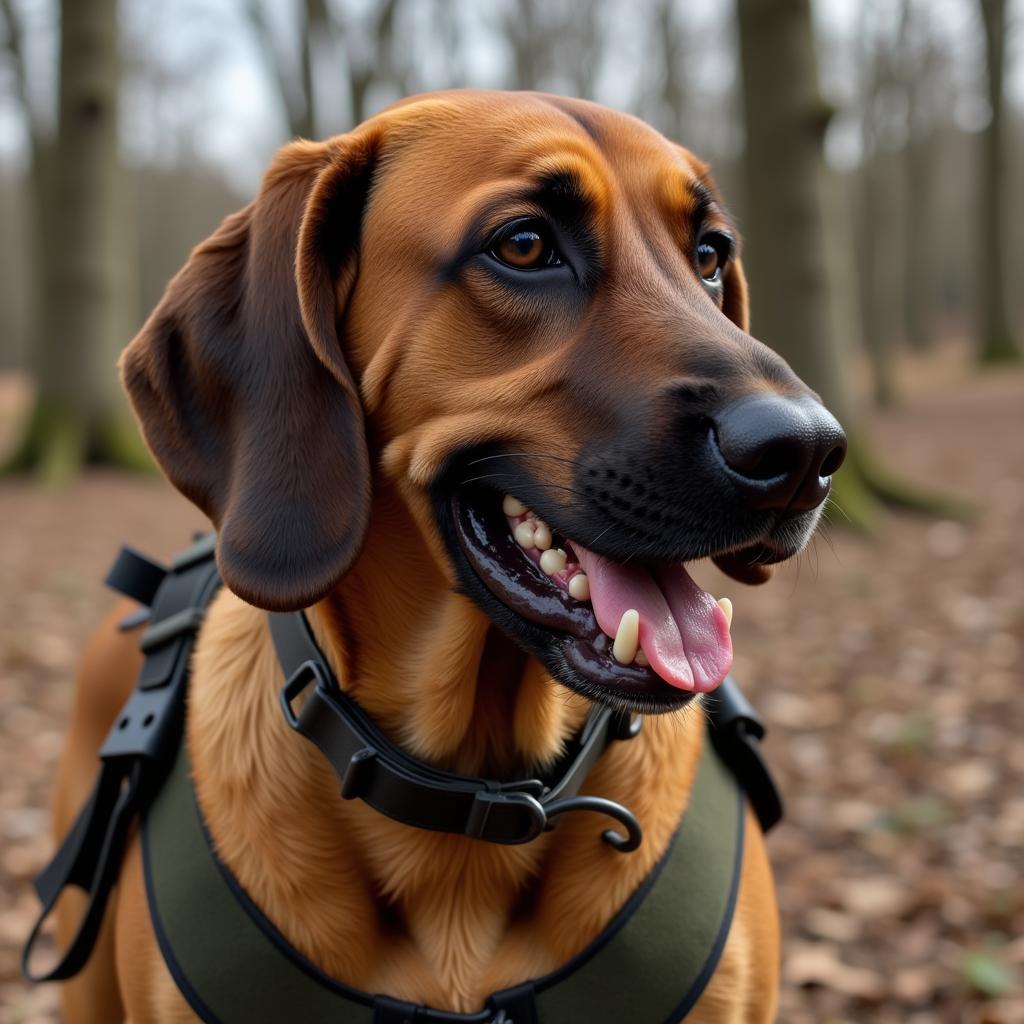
{"points": [[566, 608]]}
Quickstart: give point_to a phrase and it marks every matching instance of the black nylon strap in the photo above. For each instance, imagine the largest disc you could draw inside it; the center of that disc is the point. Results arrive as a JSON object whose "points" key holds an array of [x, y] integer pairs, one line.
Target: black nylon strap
{"points": [[374, 769], [89, 858], [736, 731], [138, 750], [135, 576]]}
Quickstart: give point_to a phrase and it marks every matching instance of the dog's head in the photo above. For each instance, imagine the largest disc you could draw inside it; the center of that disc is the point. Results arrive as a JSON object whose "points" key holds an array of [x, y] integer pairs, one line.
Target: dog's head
{"points": [[535, 310]]}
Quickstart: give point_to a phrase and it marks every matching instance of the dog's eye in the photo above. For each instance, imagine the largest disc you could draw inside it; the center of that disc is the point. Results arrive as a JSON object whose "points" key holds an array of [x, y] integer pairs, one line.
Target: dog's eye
{"points": [[712, 252], [525, 247]]}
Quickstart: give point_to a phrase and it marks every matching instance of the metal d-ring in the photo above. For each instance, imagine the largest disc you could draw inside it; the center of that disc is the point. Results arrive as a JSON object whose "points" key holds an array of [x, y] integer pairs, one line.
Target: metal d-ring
{"points": [[625, 817]]}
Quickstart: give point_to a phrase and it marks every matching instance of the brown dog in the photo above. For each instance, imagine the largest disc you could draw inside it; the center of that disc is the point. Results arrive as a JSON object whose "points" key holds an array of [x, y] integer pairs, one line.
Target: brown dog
{"points": [[470, 295]]}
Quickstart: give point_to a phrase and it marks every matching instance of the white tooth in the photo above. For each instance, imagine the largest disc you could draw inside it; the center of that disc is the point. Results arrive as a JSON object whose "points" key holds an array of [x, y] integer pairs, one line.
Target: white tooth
{"points": [[641, 659], [524, 535], [542, 536], [512, 506], [726, 605], [627, 637], [553, 560], [579, 587]]}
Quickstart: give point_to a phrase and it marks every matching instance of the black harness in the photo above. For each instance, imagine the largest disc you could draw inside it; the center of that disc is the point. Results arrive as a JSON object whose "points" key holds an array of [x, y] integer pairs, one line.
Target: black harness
{"points": [[144, 775]]}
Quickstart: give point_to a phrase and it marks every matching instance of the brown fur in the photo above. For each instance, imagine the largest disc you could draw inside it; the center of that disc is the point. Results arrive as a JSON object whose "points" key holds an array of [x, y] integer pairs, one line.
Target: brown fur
{"points": [[314, 333]]}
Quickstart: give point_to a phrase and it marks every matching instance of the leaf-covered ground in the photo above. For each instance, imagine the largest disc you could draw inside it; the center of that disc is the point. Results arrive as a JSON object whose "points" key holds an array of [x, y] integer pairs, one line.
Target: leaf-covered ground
{"points": [[889, 671]]}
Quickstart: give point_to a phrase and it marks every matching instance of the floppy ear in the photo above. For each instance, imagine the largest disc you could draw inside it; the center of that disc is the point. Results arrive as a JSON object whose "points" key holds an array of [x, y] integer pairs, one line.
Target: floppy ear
{"points": [[240, 385], [734, 296]]}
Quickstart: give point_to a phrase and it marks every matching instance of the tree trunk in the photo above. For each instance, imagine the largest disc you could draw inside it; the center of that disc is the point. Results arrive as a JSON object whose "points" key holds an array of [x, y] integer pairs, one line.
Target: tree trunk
{"points": [[876, 323], [77, 189], [922, 89], [997, 340], [785, 257], [795, 270]]}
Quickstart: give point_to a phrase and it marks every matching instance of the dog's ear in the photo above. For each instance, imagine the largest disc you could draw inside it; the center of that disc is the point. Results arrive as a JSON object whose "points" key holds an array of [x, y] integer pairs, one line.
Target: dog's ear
{"points": [[239, 380], [735, 304]]}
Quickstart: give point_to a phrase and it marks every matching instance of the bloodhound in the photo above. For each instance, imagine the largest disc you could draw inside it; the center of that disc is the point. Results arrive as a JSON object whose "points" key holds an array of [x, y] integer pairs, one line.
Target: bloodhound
{"points": [[479, 334]]}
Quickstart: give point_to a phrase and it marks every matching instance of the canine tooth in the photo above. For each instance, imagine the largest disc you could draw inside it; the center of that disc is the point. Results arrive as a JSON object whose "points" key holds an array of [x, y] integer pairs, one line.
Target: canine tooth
{"points": [[627, 637], [512, 506], [641, 659], [579, 587], [524, 535], [726, 605], [542, 536], [553, 560]]}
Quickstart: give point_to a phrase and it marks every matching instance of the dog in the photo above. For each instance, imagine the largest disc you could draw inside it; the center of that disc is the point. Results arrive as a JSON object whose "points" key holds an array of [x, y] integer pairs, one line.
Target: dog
{"points": [[511, 309]]}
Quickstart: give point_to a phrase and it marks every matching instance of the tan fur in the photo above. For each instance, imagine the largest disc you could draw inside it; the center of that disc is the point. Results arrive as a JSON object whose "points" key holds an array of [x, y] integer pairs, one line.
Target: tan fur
{"points": [[422, 916]]}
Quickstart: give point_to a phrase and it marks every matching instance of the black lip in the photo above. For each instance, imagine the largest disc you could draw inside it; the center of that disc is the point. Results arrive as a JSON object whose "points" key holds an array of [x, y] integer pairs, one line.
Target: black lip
{"points": [[560, 632], [540, 618]]}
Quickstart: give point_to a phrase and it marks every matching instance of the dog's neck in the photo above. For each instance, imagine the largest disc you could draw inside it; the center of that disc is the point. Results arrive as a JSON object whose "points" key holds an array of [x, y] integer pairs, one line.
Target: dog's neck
{"points": [[429, 666], [423, 916]]}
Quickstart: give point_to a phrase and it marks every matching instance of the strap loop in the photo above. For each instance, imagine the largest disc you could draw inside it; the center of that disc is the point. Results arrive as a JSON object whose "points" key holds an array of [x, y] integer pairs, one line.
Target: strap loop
{"points": [[137, 752], [135, 576]]}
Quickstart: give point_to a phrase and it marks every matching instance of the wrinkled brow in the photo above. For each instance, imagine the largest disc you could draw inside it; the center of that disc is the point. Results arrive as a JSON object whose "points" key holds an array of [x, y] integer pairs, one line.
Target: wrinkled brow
{"points": [[563, 194], [560, 192], [704, 205]]}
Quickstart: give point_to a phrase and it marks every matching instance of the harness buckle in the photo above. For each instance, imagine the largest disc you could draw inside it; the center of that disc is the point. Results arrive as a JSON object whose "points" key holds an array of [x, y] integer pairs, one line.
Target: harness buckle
{"points": [[532, 817]]}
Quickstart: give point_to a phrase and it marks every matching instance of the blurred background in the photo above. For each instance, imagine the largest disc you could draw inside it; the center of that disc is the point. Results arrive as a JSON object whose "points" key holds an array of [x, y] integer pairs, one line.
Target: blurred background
{"points": [[873, 153]]}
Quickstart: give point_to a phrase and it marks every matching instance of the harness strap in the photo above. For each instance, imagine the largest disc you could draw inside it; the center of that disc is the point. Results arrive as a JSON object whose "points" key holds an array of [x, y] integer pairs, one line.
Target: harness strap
{"points": [[736, 731], [137, 752], [650, 964]]}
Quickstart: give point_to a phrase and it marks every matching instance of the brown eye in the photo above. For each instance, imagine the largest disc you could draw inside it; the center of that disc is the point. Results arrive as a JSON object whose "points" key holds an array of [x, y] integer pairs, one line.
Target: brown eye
{"points": [[709, 262], [525, 248]]}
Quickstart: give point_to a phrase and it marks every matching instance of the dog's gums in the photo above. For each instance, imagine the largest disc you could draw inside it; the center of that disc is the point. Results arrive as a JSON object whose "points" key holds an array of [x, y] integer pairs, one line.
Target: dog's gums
{"points": [[619, 624]]}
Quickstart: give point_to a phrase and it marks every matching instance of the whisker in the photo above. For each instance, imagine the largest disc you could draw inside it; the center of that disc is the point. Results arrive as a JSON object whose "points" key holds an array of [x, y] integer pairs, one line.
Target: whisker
{"points": [[830, 502], [524, 455], [832, 547], [527, 485]]}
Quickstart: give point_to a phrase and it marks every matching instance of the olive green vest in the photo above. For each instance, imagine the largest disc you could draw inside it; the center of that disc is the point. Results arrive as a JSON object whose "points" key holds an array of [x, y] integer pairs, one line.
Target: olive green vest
{"points": [[650, 964]]}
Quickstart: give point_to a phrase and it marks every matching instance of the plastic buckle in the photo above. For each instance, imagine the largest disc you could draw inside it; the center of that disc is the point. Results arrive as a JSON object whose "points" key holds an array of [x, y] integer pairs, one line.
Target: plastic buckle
{"points": [[485, 802], [308, 672]]}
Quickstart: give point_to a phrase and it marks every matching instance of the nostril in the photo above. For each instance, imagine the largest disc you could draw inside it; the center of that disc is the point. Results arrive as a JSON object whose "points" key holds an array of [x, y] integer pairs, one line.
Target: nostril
{"points": [[777, 450], [773, 460], [833, 460]]}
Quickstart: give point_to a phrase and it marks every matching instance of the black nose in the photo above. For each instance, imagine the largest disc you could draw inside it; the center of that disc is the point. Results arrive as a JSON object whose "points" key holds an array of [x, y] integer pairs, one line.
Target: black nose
{"points": [[779, 451]]}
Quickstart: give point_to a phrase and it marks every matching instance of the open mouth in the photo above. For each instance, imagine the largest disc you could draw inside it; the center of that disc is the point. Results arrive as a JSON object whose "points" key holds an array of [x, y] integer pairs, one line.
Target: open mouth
{"points": [[638, 635]]}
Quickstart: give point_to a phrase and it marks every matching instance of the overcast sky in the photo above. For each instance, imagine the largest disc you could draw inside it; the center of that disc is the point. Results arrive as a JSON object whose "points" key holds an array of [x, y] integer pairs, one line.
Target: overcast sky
{"points": [[196, 77]]}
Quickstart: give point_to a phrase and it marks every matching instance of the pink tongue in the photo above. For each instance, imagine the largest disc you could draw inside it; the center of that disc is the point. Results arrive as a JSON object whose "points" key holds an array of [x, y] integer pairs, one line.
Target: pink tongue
{"points": [[683, 632]]}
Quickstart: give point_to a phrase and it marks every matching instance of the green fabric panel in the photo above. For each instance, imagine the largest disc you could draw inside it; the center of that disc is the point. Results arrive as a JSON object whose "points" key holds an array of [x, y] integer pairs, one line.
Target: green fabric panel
{"points": [[201, 918], [640, 975], [648, 967]]}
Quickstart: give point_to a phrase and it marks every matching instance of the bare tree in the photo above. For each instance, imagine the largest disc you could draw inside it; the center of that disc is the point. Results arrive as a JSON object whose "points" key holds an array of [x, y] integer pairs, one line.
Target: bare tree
{"points": [[796, 297], [926, 91], [361, 45], [80, 318], [997, 338], [878, 241], [292, 69]]}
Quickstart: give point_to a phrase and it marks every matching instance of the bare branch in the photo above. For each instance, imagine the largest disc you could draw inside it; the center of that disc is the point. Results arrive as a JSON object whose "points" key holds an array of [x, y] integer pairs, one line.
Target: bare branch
{"points": [[295, 105], [15, 47]]}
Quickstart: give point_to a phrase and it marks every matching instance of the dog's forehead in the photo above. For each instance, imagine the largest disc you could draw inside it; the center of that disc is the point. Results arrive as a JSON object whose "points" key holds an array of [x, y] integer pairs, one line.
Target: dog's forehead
{"points": [[451, 150]]}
